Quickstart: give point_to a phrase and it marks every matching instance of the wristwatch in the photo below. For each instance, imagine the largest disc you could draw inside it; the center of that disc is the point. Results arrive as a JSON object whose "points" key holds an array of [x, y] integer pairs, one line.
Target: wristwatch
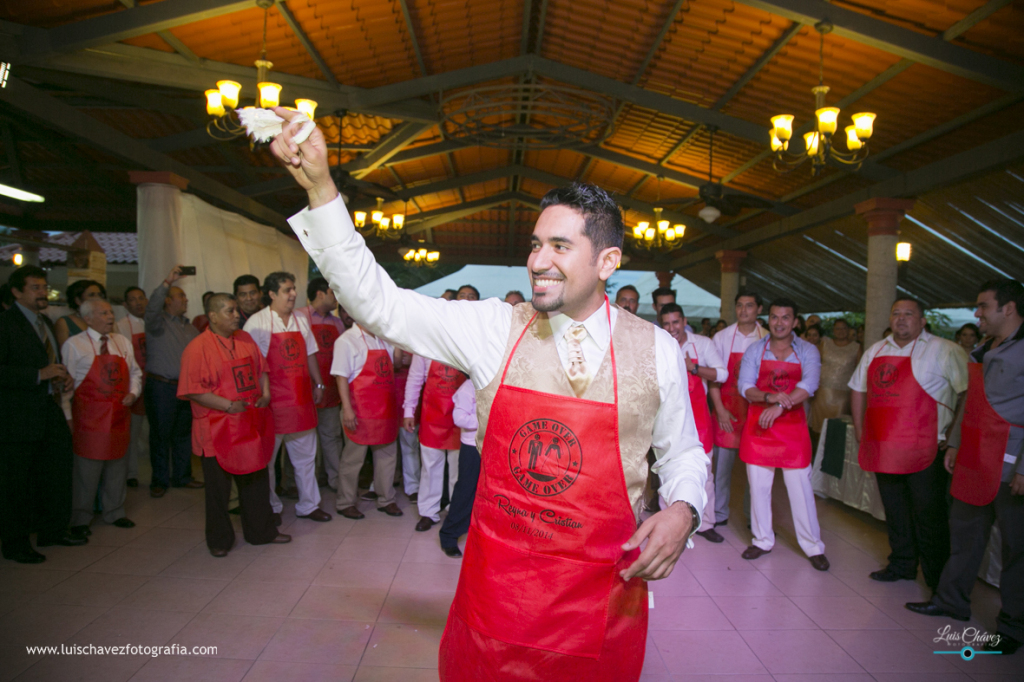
{"points": [[695, 369], [695, 524], [320, 386]]}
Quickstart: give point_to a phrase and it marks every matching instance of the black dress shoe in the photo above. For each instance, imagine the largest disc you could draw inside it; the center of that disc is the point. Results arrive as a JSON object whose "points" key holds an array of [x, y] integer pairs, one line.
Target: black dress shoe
{"points": [[133, 483], [124, 522], [80, 531], [819, 562], [316, 515], [415, 497], [453, 552], [721, 523], [425, 523], [157, 491], [927, 608], [351, 513], [29, 556], [219, 553], [889, 575], [192, 485], [711, 535], [391, 510], [1006, 645], [65, 539], [754, 552]]}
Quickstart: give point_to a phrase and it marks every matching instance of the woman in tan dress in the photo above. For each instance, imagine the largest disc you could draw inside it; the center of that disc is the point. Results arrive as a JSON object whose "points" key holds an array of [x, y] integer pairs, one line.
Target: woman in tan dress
{"points": [[839, 356]]}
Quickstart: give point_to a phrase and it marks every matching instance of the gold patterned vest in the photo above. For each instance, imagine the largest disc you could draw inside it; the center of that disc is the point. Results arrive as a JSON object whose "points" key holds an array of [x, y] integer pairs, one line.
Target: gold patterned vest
{"points": [[536, 367]]}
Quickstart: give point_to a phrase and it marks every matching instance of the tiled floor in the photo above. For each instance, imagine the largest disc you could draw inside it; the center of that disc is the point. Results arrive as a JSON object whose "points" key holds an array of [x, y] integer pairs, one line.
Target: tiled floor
{"points": [[367, 601]]}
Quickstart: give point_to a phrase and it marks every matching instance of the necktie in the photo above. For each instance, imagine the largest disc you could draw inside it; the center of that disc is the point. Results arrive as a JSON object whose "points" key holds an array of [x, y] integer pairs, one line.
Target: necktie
{"points": [[51, 354], [579, 375], [103, 345]]}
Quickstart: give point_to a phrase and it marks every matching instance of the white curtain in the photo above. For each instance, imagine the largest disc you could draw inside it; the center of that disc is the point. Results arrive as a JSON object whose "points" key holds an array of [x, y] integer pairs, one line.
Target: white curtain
{"points": [[176, 228]]}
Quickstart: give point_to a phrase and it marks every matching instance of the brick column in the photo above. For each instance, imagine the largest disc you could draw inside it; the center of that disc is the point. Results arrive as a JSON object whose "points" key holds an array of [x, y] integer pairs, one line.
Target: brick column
{"points": [[883, 216], [730, 261]]}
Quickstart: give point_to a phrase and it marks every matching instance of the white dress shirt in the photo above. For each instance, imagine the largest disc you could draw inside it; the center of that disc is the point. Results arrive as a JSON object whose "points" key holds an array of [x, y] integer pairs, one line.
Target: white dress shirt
{"points": [[351, 350], [472, 335], [464, 414], [261, 325], [703, 352], [731, 340], [130, 325], [80, 350], [938, 365]]}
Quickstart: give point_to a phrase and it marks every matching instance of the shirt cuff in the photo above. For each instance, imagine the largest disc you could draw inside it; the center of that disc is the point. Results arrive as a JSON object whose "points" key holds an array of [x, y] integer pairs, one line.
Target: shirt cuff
{"points": [[721, 375], [408, 413], [806, 387], [743, 388], [323, 227]]}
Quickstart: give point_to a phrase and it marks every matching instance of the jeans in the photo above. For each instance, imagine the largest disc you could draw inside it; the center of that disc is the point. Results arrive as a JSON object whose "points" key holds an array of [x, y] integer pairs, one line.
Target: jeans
{"points": [[170, 434]]}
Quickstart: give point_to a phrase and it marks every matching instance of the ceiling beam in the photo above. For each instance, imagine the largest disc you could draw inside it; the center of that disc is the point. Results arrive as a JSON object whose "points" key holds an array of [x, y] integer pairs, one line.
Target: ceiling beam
{"points": [[311, 50], [70, 121], [116, 26], [431, 219], [412, 37], [955, 169], [428, 150], [669, 20], [397, 140], [513, 228], [883, 35], [11, 152], [973, 18]]}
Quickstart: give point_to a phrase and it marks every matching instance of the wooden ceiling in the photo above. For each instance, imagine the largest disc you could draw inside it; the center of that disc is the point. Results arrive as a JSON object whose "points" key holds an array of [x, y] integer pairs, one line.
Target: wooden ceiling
{"points": [[101, 87]]}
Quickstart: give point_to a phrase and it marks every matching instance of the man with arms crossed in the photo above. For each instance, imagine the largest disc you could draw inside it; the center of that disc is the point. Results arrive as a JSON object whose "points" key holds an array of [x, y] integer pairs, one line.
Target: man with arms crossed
{"points": [[568, 516]]}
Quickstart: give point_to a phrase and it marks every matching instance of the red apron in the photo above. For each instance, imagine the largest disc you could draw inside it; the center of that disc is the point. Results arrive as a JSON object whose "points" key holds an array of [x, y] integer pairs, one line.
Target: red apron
{"points": [[325, 335], [699, 403], [983, 438], [102, 425], [901, 422], [787, 444], [539, 596], [732, 401], [139, 347], [291, 389], [243, 442], [437, 430], [374, 401]]}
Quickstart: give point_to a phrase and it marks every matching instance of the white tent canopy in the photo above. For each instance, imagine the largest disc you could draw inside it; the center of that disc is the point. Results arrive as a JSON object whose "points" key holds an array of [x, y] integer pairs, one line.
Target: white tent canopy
{"points": [[494, 281]]}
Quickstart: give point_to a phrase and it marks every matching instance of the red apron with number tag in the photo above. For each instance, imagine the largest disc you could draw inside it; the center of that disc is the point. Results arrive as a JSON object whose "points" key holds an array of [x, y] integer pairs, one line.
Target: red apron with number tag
{"points": [[374, 401], [291, 390], [243, 442], [983, 437], [787, 444], [539, 596], [901, 422], [437, 429], [732, 401], [699, 403], [102, 425], [139, 348], [325, 335]]}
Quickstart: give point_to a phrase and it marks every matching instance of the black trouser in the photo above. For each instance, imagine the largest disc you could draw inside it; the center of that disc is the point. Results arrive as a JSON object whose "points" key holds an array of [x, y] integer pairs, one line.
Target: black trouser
{"points": [[170, 434], [35, 484], [456, 524], [253, 497], [916, 515], [969, 529]]}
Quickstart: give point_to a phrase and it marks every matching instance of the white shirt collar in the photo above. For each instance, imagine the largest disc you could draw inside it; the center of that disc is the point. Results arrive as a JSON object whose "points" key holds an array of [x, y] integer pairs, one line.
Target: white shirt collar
{"points": [[925, 337], [596, 325], [95, 335]]}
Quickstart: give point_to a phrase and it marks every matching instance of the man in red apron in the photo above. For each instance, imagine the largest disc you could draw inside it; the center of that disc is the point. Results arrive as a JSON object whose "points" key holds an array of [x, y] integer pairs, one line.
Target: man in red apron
{"points": [[986, 459], [107, 383], [702, 364], [326, 329], [133, 327], [364, 372], [904, 391], [287, 342], [572, 393], [224, 375], [777, 376], [730, 406]]}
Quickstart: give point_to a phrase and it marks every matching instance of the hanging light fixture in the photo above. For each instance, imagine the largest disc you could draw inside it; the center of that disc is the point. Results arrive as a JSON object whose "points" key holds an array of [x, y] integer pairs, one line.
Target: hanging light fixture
{"points": [[417, 257], [387, 227], [222, 101], [818, 144], [661, 235]]}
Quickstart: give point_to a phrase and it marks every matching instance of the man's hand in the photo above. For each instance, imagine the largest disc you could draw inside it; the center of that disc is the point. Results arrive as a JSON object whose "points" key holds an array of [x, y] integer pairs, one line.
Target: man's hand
{"points": [[666, 533], [174, 276], [725, 419], [409, 424], [785, 400], [236, 407], [769, 416], [949, 461], [348, 418], [54, 371], [263, 401], [306, 162], [318, 394], [129, 400], [1017, 484], [689, 364]]}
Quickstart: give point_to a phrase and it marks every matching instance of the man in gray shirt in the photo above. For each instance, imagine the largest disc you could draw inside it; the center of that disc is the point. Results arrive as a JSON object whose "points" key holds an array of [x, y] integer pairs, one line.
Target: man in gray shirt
{"points": [[986, 458], [168, 331]]}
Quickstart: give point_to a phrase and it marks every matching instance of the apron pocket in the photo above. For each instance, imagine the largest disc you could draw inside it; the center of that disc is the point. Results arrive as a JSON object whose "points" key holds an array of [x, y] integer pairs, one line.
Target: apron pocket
{"points": [[534, 600]]}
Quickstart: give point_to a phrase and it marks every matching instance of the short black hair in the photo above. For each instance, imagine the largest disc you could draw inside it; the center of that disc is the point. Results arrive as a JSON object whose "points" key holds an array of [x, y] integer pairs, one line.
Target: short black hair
{"points": [[273, 284], [131, 289], [910, 299], [517, 293], [662, 291], [76, 289], [817, 328], [245, 280], [785, 303], [207, 294], [453, 292], [705, 319], [971, 326], [671, 308], [627, 287], [746, 293], [469, 286], [1006, 291], [602, 217], [216, 301], [315, 286], [19, 277], [838, 320]]}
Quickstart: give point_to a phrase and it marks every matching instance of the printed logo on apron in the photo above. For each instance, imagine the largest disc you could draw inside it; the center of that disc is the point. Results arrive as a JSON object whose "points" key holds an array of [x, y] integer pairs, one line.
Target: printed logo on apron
{"points": [[112, 378], [780, 381], [382, 368], [245, 378], [324, 337], [885, 375], [545, 457], [290, 349]]}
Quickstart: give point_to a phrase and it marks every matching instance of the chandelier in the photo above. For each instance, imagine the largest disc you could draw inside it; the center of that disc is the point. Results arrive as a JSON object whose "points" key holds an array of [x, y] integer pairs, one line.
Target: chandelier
{"points": [[222, 101], [661, 236], [818, 144], [419, 257], [381, 226]]}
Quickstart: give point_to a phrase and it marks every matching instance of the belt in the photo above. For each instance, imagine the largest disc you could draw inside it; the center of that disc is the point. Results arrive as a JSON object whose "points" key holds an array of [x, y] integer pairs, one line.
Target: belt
{"points": [[163, 380]]}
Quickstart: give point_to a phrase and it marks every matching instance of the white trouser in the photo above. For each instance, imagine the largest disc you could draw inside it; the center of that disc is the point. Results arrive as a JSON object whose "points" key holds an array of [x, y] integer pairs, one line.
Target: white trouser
{"points": [[801, 503], [409, 444], [302, 452], [328, 429], [432, 479], [707, 517], [138, 445]]}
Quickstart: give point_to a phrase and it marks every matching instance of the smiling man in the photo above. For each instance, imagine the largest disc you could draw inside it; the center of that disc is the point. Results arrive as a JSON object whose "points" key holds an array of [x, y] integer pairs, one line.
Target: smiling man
{"points": [[564, 512]]}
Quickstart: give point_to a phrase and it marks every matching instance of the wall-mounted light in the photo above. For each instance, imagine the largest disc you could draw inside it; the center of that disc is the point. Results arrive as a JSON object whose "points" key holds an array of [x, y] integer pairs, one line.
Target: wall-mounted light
{"points": [[18, 259], [903, 250]]}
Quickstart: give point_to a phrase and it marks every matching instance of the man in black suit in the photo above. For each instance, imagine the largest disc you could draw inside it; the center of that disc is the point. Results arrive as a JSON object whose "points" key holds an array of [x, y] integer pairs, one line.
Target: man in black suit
{"points": [[35, 445]]}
